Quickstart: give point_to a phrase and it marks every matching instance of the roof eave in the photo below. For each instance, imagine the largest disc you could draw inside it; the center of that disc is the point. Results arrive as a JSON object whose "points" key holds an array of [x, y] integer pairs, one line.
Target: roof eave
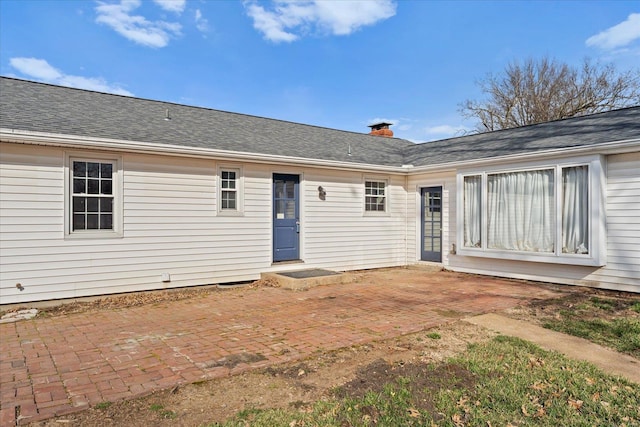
{"points": [[140, 147], [614, 147]]}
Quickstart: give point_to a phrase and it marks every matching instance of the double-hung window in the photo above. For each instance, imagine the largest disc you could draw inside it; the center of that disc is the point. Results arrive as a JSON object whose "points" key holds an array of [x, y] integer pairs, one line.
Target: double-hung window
{"points": [[375, 196], [230, 185], [546, 213], [93, 204]]}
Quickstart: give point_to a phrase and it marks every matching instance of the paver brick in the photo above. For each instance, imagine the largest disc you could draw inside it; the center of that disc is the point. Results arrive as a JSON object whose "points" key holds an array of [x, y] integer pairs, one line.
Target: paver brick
{"points": [[61, 364]]}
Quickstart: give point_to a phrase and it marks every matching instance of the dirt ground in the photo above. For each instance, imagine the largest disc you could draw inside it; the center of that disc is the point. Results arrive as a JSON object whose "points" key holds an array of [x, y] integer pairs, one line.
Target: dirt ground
{"points": [[350, 371]]}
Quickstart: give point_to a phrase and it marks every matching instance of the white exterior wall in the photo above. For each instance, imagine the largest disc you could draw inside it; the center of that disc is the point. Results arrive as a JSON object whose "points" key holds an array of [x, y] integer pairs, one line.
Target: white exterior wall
{"points": [[338, 234], [171, 225], [622, 271]]}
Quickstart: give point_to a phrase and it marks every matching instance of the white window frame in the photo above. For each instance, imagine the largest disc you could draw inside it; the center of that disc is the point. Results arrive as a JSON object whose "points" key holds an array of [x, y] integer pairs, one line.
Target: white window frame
{"points": [[239, 190], [596, 219], [117, 211], [385, 182]]}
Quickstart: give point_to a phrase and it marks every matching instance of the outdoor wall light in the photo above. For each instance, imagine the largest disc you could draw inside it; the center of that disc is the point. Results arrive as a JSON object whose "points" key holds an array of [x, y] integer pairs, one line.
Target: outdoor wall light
{"points": [[321, 193]]}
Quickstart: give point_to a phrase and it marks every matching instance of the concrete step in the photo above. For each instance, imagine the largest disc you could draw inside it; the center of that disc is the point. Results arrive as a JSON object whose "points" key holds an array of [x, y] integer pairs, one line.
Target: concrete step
{"points": [[305, 279]]}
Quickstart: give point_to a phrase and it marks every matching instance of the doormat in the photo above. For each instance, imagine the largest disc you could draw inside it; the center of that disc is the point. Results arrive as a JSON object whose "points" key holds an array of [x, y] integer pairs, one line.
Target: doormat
{"points": [[306, 274]]}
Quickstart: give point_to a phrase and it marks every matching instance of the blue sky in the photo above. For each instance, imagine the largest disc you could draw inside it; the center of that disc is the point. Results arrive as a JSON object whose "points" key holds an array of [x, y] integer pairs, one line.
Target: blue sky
{"points": [[339, 64]]}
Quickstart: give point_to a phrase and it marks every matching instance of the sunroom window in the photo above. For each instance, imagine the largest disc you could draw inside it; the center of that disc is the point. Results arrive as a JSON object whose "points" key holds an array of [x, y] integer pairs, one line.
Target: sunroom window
{"points": [[575, 210], [545, 214]]}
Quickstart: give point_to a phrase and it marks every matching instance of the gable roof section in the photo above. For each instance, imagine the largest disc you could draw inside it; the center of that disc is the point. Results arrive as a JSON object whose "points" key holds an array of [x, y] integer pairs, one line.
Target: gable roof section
{"points": [[38, 107], [601, 128]]}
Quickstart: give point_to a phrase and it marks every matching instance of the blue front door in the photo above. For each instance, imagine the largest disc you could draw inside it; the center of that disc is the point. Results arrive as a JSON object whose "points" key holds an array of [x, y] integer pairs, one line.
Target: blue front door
{"points": [[431, 207], [286, 217]]}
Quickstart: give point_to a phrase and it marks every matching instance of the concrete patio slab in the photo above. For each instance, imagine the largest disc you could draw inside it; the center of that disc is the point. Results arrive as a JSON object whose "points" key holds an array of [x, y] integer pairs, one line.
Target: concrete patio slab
{"points": [[55, 365]]}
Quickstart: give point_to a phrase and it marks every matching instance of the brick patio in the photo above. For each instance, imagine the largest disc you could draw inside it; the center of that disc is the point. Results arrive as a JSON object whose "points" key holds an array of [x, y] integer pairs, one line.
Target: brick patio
{"points": [[57, 365]]}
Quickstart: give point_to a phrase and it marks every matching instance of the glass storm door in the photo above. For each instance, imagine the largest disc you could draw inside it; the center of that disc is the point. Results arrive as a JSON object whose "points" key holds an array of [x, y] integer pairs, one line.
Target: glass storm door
{"points": [[431, 219], [286, 223]]}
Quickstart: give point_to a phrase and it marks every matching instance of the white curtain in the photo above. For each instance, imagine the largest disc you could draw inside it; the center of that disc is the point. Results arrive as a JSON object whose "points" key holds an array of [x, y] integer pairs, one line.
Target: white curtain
{"points": [[520, 211], [575, 210], [472, 209]]}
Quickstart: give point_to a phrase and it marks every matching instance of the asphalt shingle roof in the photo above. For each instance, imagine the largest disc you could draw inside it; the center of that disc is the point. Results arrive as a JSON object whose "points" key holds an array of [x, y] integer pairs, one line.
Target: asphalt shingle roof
{"points": [[38, 107], [41, 107], [612, 126]]}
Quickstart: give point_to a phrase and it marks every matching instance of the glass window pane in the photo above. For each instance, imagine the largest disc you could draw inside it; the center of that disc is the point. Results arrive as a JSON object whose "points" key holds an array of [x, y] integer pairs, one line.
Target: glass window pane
{"points": [[106, 205], [92, 222], [106, 170], [92, 204], [79, 204], [78, 222], [106, 222], [93, 186], [575, 210], [521, 211], [290, 187], [79, 169], [106, 187], [472, 193], [228, 200], [93, 170], [290, 211], [79, 186], [279, 189]]}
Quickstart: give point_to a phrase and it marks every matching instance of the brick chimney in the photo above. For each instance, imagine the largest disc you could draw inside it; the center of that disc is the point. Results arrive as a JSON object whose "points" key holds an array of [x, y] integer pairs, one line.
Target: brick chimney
{"points": [[381, 129]]}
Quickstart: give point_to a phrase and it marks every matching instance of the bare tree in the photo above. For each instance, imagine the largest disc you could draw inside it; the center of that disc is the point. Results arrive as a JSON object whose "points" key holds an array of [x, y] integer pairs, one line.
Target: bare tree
{"points": [[538, 91]]}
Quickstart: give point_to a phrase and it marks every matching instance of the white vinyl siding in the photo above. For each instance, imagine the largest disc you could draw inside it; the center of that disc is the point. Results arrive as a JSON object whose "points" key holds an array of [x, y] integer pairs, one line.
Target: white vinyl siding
{"points": [[336, 235], [171, 224]]}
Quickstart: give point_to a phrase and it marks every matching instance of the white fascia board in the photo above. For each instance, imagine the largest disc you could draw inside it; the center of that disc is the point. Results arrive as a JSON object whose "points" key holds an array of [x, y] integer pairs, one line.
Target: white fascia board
{"points": [[81, 142], [615, 147]]}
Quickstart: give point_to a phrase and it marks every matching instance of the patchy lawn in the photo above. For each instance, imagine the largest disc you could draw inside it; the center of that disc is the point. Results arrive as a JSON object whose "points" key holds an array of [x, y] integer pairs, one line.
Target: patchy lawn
{"points": [[611, 319]]}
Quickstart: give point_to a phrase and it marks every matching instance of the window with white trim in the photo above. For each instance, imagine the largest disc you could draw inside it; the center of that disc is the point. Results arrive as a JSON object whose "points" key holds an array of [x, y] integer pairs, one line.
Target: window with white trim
{"points": [[549, 213], [92, 197], [230, 190], [375, 197], [229, 185]]}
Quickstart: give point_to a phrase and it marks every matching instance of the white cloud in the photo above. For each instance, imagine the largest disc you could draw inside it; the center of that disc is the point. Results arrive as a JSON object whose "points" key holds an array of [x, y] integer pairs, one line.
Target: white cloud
{"points": [[619, 35], [447, 131], [41, 70], [176, 6], [36, 68], [135, 27], [202, 24], [290, 19]]}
